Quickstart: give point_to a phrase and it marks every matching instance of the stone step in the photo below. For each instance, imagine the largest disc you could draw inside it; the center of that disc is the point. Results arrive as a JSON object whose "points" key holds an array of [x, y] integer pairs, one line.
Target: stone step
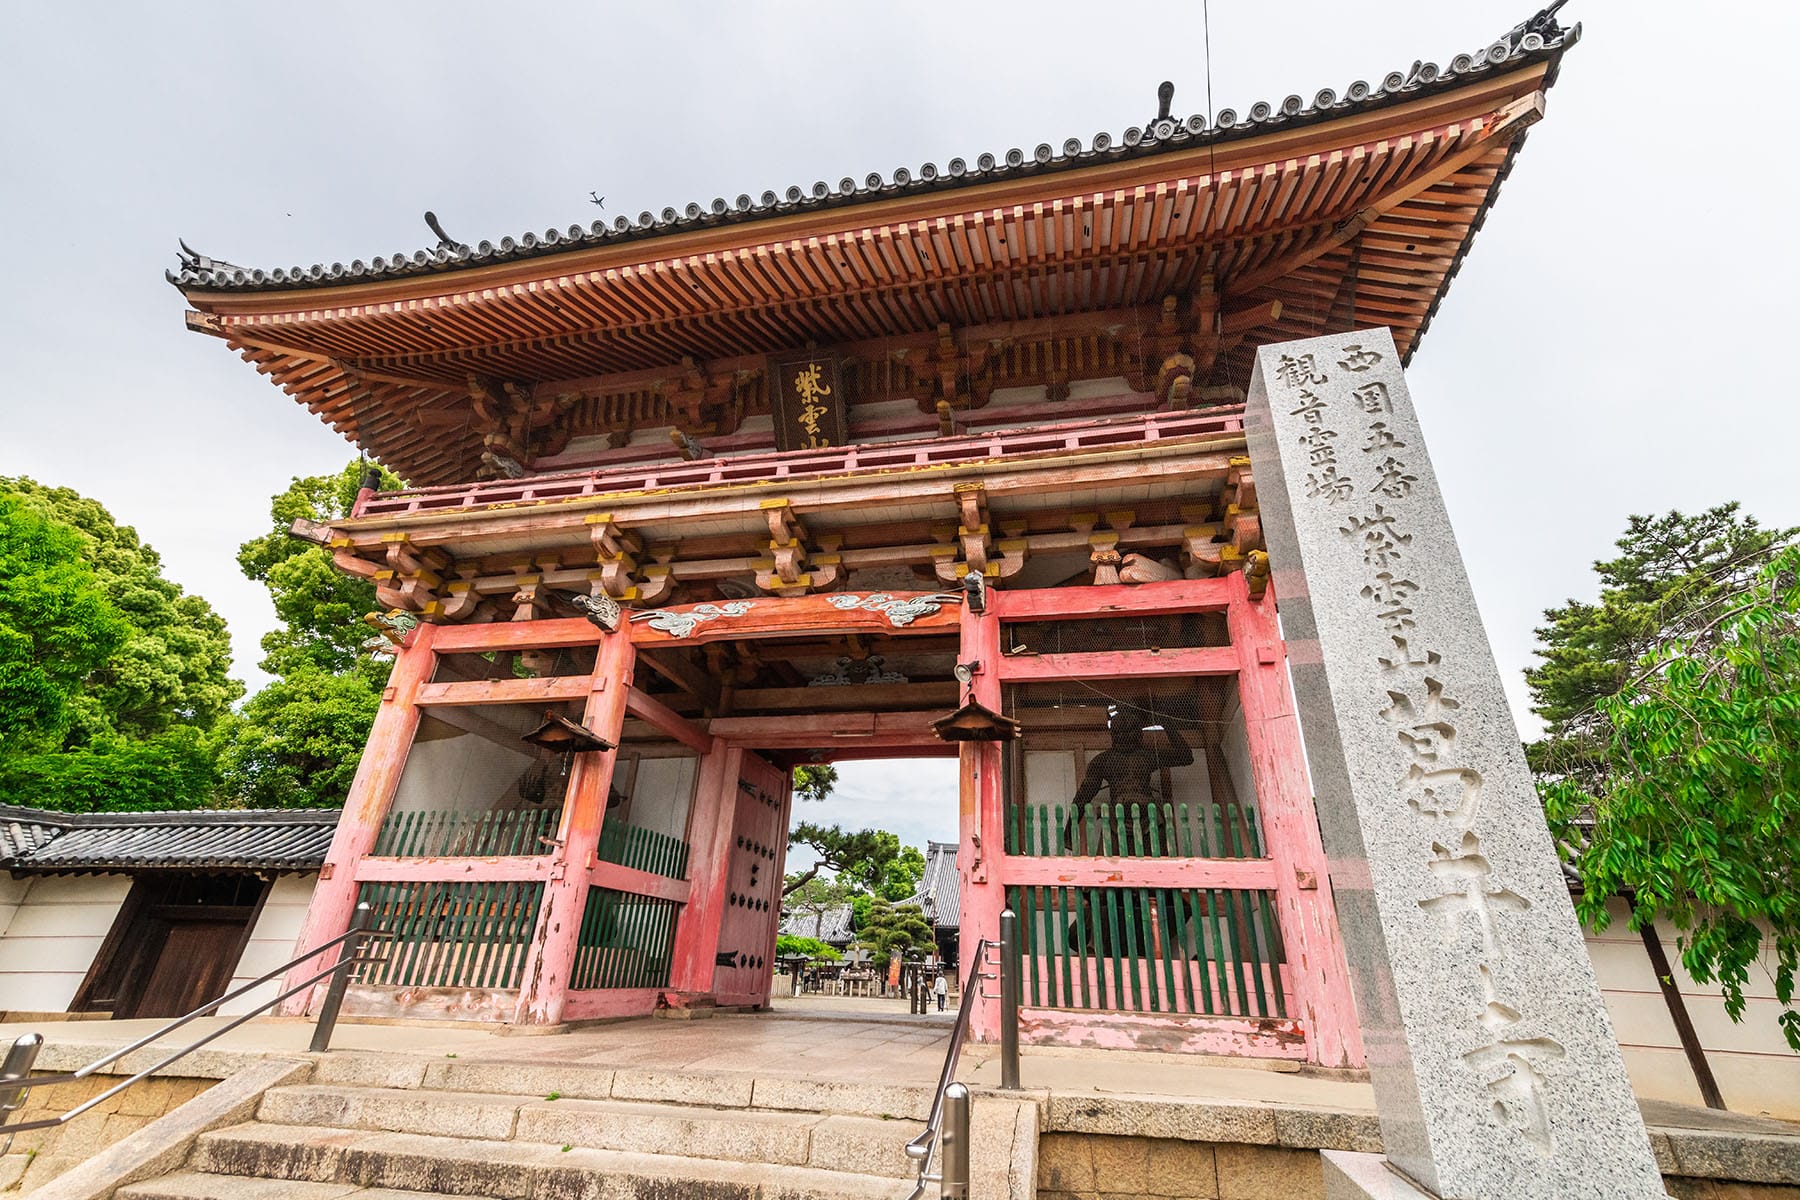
{"points": [[860, 1145], [511, 1170], [195, 1185], [714, 1089]]}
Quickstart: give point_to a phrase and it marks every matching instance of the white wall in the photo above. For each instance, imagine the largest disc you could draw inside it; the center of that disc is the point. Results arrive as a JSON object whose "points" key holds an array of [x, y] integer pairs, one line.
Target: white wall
{"points": [[1755, 1070], [274, 939], [450, 770], [50, 942], [662, 792]]}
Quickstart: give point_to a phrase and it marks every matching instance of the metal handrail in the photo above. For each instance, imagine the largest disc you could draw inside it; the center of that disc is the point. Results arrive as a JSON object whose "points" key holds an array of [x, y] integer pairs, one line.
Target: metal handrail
{"points": [[920, 1148], [15, 1080]]}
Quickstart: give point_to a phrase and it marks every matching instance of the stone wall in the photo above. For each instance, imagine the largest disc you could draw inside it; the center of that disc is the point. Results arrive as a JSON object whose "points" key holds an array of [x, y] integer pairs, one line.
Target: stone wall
{"points": [[37, 1157], [1087, 1166]]}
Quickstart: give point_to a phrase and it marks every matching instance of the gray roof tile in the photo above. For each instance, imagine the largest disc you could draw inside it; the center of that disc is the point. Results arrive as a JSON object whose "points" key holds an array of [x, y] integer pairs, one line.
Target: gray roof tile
{"points": [[42, 842], [1538, 38]]}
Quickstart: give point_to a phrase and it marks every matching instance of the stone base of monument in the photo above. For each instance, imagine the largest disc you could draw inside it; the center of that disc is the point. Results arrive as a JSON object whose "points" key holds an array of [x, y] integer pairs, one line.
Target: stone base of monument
{"points": [[1350, 1176]]}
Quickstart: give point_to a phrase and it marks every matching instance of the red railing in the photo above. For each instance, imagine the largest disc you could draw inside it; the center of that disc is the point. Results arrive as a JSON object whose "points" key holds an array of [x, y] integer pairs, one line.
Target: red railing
{"points": [[798, 464]]}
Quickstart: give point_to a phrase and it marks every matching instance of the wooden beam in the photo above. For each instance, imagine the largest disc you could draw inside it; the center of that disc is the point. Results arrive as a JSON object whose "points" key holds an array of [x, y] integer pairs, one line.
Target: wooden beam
{"points": [[454, 870], [1244, 874], [638, 883], [506, 691], [655, 712], [848, 732], [1051, 604], [1121, 664]]}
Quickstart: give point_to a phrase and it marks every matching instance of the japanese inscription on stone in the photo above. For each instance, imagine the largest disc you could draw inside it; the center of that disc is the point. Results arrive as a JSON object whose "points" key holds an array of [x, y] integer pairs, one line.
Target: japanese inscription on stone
{"points": [[1495, 1068], [809, 403]]}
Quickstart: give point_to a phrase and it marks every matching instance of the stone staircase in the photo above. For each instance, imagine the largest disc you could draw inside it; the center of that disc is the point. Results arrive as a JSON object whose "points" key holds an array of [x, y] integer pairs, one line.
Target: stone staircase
{"points": [[389, 1127]]}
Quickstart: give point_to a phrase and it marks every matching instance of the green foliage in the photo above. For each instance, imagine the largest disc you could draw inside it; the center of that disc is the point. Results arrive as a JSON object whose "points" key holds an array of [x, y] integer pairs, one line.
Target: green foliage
{"points": [[814, 781], [900, 878], [172, 769], [813, 896], [860, 858], [173, 665], [789, 946], [1666, 566], [297, 742], [320, 607], [894, 929], [1682, 793], [56, 626]]}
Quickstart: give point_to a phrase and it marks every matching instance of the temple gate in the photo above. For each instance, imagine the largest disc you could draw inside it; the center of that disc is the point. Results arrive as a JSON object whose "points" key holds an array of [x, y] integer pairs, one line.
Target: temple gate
{"points": [[945, 462]]}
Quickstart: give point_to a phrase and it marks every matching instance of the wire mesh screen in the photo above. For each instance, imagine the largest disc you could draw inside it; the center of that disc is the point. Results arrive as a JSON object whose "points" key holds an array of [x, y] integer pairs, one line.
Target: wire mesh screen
{"points": [[452, 934], [626, 941], [1202, 951], [1145, 631], [1131, 769]]}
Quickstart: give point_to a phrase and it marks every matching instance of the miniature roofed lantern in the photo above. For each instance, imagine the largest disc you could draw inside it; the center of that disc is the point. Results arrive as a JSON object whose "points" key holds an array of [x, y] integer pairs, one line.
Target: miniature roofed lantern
{"points": [[789, 479]]}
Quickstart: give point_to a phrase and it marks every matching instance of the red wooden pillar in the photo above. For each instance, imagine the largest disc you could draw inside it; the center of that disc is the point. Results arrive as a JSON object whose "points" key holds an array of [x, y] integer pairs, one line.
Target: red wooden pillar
{"points": [[1321, 995], [709, 849], [551, 956], [377, 775], [982, 822]]}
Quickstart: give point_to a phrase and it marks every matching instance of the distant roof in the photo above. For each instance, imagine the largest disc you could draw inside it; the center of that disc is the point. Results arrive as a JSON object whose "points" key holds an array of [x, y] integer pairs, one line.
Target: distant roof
{"points": [[1535, 39], [38, 841], [940, 891], [831, 926]]}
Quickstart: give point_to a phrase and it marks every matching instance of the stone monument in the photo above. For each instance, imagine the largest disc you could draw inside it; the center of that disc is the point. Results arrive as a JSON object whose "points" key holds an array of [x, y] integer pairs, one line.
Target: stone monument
{"points": [[1495, 1067]]}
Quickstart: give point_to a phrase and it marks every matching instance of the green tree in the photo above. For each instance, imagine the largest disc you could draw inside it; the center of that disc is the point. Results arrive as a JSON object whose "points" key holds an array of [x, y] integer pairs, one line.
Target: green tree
{"points": [[859, 858], [113, 773], [1666, 566], [814, 781], [894, 929], [172, 666], [321, 608], [789, 946], [900, 878], [1677, 791], [57, 627], [298, 741]]}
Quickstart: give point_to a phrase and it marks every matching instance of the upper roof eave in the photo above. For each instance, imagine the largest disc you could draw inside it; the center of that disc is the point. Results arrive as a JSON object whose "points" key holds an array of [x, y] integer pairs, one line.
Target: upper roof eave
{"points": [[1539, 40]]}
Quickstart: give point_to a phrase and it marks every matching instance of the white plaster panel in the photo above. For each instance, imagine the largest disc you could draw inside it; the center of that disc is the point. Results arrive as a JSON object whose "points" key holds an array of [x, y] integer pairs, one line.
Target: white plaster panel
{"points": [[273, 940], [58, 926]]}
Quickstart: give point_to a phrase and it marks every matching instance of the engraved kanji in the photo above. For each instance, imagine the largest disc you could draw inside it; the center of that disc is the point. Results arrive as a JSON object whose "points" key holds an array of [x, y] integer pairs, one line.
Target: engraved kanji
{"points": [[1326, 483], [1380, 438], [1372, 398], [1405, 656], [1374, 532], [1469, 889], [1358, 359], [1390, 596], [1298, 370], [1393, 481], [1311, 410], [1511, 1065]]}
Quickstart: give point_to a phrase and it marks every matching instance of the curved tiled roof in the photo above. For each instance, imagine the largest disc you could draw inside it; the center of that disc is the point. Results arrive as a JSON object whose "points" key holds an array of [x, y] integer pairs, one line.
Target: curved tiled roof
{"points": [[1540, 38], [37, 841]]}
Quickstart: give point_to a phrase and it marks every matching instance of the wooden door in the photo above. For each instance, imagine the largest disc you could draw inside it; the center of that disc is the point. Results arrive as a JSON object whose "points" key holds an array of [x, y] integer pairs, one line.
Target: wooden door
{"points": [[758, 852], [195, 965]]}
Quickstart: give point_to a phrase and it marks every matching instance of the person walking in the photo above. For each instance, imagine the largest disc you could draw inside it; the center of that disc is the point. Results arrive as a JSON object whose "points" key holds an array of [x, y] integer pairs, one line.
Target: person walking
{"points": [[941, 990]]}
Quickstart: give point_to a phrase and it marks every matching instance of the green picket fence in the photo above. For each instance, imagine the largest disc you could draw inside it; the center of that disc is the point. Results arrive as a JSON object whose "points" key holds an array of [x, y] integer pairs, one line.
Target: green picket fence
{"points": [[1163, 830], [626, 941], [443, 833], [1201, 951], [452, 934], [643, 849]]}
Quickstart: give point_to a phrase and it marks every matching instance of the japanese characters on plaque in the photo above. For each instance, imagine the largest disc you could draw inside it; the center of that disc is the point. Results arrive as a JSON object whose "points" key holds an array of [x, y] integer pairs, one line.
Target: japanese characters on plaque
{"points": [[1355, 467], [809, 403]]}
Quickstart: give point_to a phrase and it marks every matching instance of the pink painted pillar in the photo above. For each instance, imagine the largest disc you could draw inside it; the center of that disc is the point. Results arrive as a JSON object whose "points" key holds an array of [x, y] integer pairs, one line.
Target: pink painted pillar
{"points": [[709, 849], [1321, 998], [982, 822], [551, 956], [377, 775]]}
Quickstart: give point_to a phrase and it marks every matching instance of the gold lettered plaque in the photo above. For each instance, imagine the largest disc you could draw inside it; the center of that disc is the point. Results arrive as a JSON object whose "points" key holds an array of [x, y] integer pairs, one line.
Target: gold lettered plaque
{"points": [[809, 403]]}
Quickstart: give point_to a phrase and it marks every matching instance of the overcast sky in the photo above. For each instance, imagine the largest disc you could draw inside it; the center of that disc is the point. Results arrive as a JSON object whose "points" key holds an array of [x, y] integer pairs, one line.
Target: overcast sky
{"points": [[1620, 339]]}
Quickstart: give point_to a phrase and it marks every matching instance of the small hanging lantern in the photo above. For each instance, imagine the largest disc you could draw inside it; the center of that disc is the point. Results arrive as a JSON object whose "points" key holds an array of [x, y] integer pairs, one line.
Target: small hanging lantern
{"points": [[560, 735], [975, 723]]}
